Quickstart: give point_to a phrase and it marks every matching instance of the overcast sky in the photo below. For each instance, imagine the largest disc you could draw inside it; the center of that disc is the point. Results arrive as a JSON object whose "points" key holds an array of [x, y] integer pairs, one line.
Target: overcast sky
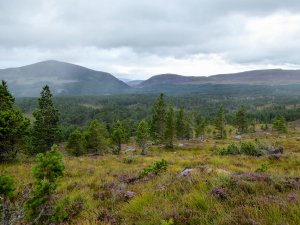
{"points": [[140, 38]]}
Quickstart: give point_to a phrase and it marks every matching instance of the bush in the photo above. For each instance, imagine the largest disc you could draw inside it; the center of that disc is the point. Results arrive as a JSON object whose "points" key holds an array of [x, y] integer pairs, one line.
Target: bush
{"points": [[247, 148], [46, 173], [156, 168], [129, 159]]}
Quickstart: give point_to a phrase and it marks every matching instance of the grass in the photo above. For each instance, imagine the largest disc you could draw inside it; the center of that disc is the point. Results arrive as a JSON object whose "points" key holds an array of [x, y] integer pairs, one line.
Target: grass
{"points": [[97, 185]]}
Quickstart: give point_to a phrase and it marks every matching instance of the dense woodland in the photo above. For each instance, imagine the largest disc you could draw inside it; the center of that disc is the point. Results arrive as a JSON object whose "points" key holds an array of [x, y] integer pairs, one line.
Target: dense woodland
{"points": [[97, 126]]}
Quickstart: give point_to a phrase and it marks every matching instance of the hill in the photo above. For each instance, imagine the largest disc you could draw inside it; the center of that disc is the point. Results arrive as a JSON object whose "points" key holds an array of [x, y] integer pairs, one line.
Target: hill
{"points": [[64, 79], [255, 77]]}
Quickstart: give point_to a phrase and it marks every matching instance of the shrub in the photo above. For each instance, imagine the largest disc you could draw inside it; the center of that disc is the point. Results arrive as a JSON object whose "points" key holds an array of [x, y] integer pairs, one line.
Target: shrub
{"points": [[167, 222], [248, 148], [156, 168], [46, 173], [129, 159], [263, 168]]}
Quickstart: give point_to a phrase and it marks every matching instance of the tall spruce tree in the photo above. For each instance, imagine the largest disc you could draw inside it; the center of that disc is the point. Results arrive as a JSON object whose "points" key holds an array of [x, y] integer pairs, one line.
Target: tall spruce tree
{"points": [[142, 136], [241, 121], [118, 135], [180, 124], [45, 129], [158, 119], [220, 124], [170, 129], [13, 125]]}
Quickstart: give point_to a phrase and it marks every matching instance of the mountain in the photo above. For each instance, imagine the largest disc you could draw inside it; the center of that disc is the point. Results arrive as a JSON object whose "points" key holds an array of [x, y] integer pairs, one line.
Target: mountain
{"points": [[63, 79], [255, 77]]}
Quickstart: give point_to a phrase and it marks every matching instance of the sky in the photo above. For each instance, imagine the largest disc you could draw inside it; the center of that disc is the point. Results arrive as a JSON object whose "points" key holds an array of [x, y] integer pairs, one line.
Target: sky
{"points": [[136, 39]]}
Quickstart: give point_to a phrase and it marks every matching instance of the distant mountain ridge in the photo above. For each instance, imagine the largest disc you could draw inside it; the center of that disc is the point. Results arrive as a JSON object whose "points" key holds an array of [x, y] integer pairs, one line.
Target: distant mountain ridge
{"points": [[73, 80], [254, 77], [63, 78]]}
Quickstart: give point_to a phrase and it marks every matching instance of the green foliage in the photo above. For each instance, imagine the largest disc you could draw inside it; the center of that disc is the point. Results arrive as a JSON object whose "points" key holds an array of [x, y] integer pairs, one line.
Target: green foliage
{"points": [[130, 159], [280, 124], [263, 168], [13, 125], [49, 169], [241, 121], [170, 132], [158, 119], [180, 124], [247, 148], [45, 129], [76, 143], [220, 124], [156, 168], [118, 135], [7, 185], [97, 137], [142, 136], [167, 222]]}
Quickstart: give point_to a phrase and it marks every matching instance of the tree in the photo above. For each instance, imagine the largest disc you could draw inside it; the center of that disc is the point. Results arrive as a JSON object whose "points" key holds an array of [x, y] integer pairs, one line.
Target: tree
{"points": [[97, 137], [180, 124], [76, 143], [142, 136], [241, 120], [7, 188], [118, 135], [13, 125], [158, 119], [220, 124], [280, 125], [49, 169], [45, 129], [200, 129], [170, 132]]}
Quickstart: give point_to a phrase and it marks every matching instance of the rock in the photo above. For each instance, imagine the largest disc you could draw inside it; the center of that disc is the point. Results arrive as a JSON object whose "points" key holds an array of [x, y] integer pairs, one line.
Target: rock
{"points": [[279, 149], [283, 137], [275, 156], [186, 172], [238, 137], [180, 145]]}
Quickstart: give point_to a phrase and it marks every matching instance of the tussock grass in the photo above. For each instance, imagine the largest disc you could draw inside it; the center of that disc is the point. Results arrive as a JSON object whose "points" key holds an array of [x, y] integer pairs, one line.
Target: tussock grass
{"points": [[99, 183]]}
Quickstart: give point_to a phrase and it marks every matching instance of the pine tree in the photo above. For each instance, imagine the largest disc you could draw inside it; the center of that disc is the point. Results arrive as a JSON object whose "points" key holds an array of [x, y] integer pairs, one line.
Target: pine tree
{"points": [[118, 135], [180, 124], [241, 120], [45, 129], [142, 136], [158, 119], [220, 124], [170, 130], [46, 172], [13, 125], [76, 143], [7, 188], [97, 137], [280, 125]]}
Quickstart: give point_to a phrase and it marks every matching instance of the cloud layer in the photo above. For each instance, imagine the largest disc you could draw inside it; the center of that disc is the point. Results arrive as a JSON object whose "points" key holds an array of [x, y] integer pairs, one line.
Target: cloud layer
{"points": [[140, 38]]}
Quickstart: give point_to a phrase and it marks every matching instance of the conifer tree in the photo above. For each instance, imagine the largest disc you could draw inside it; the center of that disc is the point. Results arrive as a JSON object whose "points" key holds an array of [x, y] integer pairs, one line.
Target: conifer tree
{"points": [[220, 124], [45, 129], [180, 124], [13, 125], [7, 188], [170, 132], [142, 136], [280, 125], [97, 137], [76, 143], [158, 119], [46, 172], [241, 120], [118, 135]]}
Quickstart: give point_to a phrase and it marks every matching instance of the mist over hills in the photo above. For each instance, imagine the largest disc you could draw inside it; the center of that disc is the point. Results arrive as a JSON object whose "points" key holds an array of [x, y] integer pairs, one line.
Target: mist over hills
{"points": [[73, 80], [63, 78]]}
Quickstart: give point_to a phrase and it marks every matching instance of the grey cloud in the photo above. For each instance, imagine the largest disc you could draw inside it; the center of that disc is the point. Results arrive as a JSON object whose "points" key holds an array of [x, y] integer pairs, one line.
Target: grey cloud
{"points": [[165, 28]]}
